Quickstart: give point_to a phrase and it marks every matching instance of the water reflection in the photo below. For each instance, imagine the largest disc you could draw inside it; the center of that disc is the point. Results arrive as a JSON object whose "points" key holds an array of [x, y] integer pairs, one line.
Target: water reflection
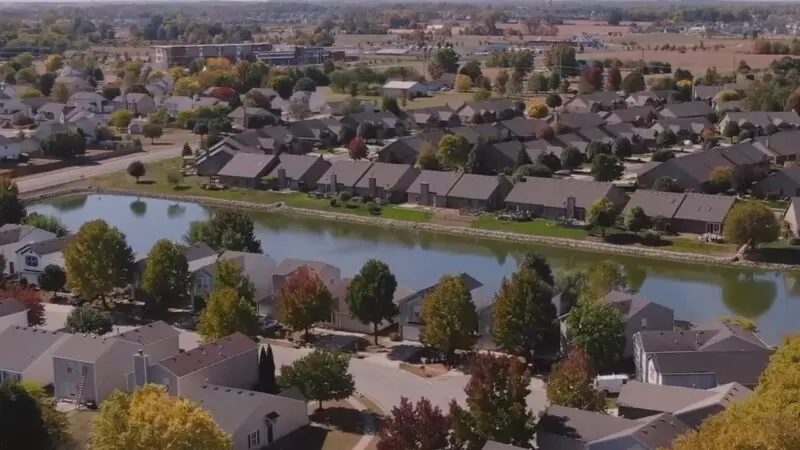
{"points": [[748, 295], [138, 207]]}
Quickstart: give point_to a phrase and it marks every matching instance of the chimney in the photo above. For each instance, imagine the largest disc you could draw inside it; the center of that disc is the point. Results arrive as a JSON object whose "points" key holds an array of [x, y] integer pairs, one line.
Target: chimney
{"points": [[373, 187], [334, 183], [281, 178], [140, 365], [424, 193]]}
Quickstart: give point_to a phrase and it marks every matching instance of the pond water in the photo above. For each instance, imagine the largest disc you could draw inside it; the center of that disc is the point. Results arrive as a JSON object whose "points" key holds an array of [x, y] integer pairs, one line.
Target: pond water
{"points": [[697, 293]]}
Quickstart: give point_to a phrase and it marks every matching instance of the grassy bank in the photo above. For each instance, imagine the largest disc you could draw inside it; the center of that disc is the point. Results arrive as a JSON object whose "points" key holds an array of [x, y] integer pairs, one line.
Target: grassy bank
{"points": [[155, 182]]}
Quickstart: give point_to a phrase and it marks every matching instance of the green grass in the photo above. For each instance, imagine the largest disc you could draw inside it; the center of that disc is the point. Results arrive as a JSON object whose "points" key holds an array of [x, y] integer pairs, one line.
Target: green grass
{"points": [[538, 227], [436, 99], [696, 246]]}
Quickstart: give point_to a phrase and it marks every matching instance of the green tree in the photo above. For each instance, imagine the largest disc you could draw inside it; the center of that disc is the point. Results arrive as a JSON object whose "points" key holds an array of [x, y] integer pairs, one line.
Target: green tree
{"points": [[633, 82], [636, 220], [304, 300], [60, 93], [47, 223], [149, 418], [152, 131], [751, 222], [602, 278], [731, 129], [563, 61], [228, 274], [46, 83], [305, 84], [553, 83], [322, 376], [283, 85], [449, 320], [370, 295], [666, 139], [538, 264], [88, 319], [524, 315], [481, 94], [443, 61], [606, 168], [64, 145], [389, 103], [226, 230], [501, 82], [571, 158], [23, 426], [55, 421], [496, 404], [537, 82], [29, 93], [226, 313], [12, 210], [97, 260], [166, 277], [597, 328], [570, 284], [54, 62], [120, 118], [136, 169], [463, 83], [622, 148], [472, 69], [267, 382], [571, 383], [453, 150], [667, 184], [52, 279], [602, 214], [427, 158]]}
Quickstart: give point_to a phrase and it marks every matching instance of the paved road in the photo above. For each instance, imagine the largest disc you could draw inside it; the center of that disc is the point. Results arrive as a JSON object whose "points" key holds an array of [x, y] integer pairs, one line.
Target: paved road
{"points": [[60, 177]]}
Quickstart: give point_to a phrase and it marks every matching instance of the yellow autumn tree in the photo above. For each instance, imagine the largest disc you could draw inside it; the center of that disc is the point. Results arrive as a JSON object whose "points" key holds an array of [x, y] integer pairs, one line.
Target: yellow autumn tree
{"points": [[218, 63], [537, 110], [150, 419], [767, 420]]}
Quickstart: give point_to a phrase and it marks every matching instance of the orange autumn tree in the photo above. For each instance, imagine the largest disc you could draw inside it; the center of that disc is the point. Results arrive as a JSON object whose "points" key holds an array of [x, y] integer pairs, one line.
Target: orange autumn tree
{"points": [[304, 300]]}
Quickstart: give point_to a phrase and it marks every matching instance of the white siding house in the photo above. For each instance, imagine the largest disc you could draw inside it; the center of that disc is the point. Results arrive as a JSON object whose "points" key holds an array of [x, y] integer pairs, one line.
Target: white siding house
{"points": [[26, 354]]}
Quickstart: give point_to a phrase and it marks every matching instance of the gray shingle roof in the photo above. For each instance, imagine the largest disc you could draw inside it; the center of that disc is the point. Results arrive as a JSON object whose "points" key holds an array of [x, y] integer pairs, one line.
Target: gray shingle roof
{"points": [[347, 172], [655, 203], [11, 306], [296, 166], [246, 165], [90, 348], [779, 144], [704, 207], [439, 183], [49, 246], [395, 176], [686, 109], [581, 120], [553, 192], [629, 304], [149, 334], [675, 399], [728, 367], [206, 355], [633, 114], [21, 346], [476, 187], [522, 127]]}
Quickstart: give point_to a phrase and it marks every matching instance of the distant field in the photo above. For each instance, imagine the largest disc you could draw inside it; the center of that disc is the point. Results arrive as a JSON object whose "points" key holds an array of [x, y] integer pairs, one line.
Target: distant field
{"points": [[695, 61]]}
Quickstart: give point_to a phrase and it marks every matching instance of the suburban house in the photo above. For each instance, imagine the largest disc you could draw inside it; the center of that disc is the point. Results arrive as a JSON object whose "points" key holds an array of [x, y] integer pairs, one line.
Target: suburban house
{"points": [[708, 93], [783, 183], [792, 216], [640, 116], [241, 116], [13, 313], [431, 188], [703, 357], [779, 147], [137, 103], [410, 307], [561, 198], [254, 420], [497, 157], [342, 319], [482, 133], [193, 253], [434, 117], [650, 98], [686, 212], [479, 192], [13, 237], [691, 406], [247, 170], [595, 101], [591, 134], [231, 361], [387, 125], [493, 108], [760, 119], [31, 259], [297, 172], [87, 369], [158, 339], [343, 176], [387, 182], [683, 128], [578, 120], [311, 132], [685, 110], [257, 266], [523, 129], [10, 148], [405, 89], [91, 101], [327, 273], [563, 428], [639, 313], [26, 353], [406, 150]]}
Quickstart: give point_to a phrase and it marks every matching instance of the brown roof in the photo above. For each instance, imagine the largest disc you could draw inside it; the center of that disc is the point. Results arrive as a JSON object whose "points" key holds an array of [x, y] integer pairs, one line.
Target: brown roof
{"points": [[439, 183], [296, 166], [347, 172], [246, 165], [207, 355], [393, 176], [553, 192]]}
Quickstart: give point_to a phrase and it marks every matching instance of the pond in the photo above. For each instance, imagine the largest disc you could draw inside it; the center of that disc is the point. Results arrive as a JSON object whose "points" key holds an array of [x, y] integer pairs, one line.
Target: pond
{"points": [[698, 293]]}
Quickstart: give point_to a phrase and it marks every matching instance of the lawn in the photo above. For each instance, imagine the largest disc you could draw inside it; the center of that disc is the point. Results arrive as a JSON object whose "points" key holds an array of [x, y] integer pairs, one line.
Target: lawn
{"points": [[155, 181], [537, 227], [436, 99], [695, 246]]}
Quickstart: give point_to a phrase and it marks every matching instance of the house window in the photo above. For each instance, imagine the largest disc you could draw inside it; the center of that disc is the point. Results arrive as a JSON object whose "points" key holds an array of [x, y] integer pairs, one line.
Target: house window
{"points": [[254, 439], [644, 322], [31, 261], [69, 368], [204, 283]]}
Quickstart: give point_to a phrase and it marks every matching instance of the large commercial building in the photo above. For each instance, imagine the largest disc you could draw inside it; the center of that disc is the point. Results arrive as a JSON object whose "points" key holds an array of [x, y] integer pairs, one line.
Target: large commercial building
{"points": [[181, 55], [296, 55]]}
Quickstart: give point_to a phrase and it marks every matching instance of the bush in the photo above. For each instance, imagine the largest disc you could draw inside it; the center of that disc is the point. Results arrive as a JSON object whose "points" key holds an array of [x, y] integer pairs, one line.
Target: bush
{"points": [[373, 208], [345, 196], [651, 238], [357, 200], [334, 202], [394, 336]]}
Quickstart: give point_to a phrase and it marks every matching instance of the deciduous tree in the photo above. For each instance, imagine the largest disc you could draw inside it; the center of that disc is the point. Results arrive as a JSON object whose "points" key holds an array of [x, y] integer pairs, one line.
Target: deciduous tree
{"points": [[357, 148], [606, 168], [410, 426], [228, 274], [553, 100], [98, 259], [538, 264], [64, 145], [633, 82], [427, 158], [571, 158], [602, 214], [496, 404], [537, 110], [751, 222], [322, 375], [166, 277], [667, 184], [149, 418], [524, 315], [225, 313], [47, 223], [602, 278], [12, 210], [444, 61], [54, 62], [120, 118], [52, 279], [571, 383], [463, 83], [23, 425], [226, 230], [449, 320], [597, 328], [370, 295], [614, 81], [636, 220], [136, 169], [88, 319], [152, 131], [303, 300], [453, 150]]}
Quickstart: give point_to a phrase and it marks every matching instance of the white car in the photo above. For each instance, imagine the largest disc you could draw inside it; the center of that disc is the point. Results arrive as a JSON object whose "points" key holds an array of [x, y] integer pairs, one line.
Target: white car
{"points": [[610, 384]]}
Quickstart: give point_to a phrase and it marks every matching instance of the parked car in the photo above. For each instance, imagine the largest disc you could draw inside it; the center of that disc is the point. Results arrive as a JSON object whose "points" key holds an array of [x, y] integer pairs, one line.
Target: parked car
{"points": [[610, 384]]}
